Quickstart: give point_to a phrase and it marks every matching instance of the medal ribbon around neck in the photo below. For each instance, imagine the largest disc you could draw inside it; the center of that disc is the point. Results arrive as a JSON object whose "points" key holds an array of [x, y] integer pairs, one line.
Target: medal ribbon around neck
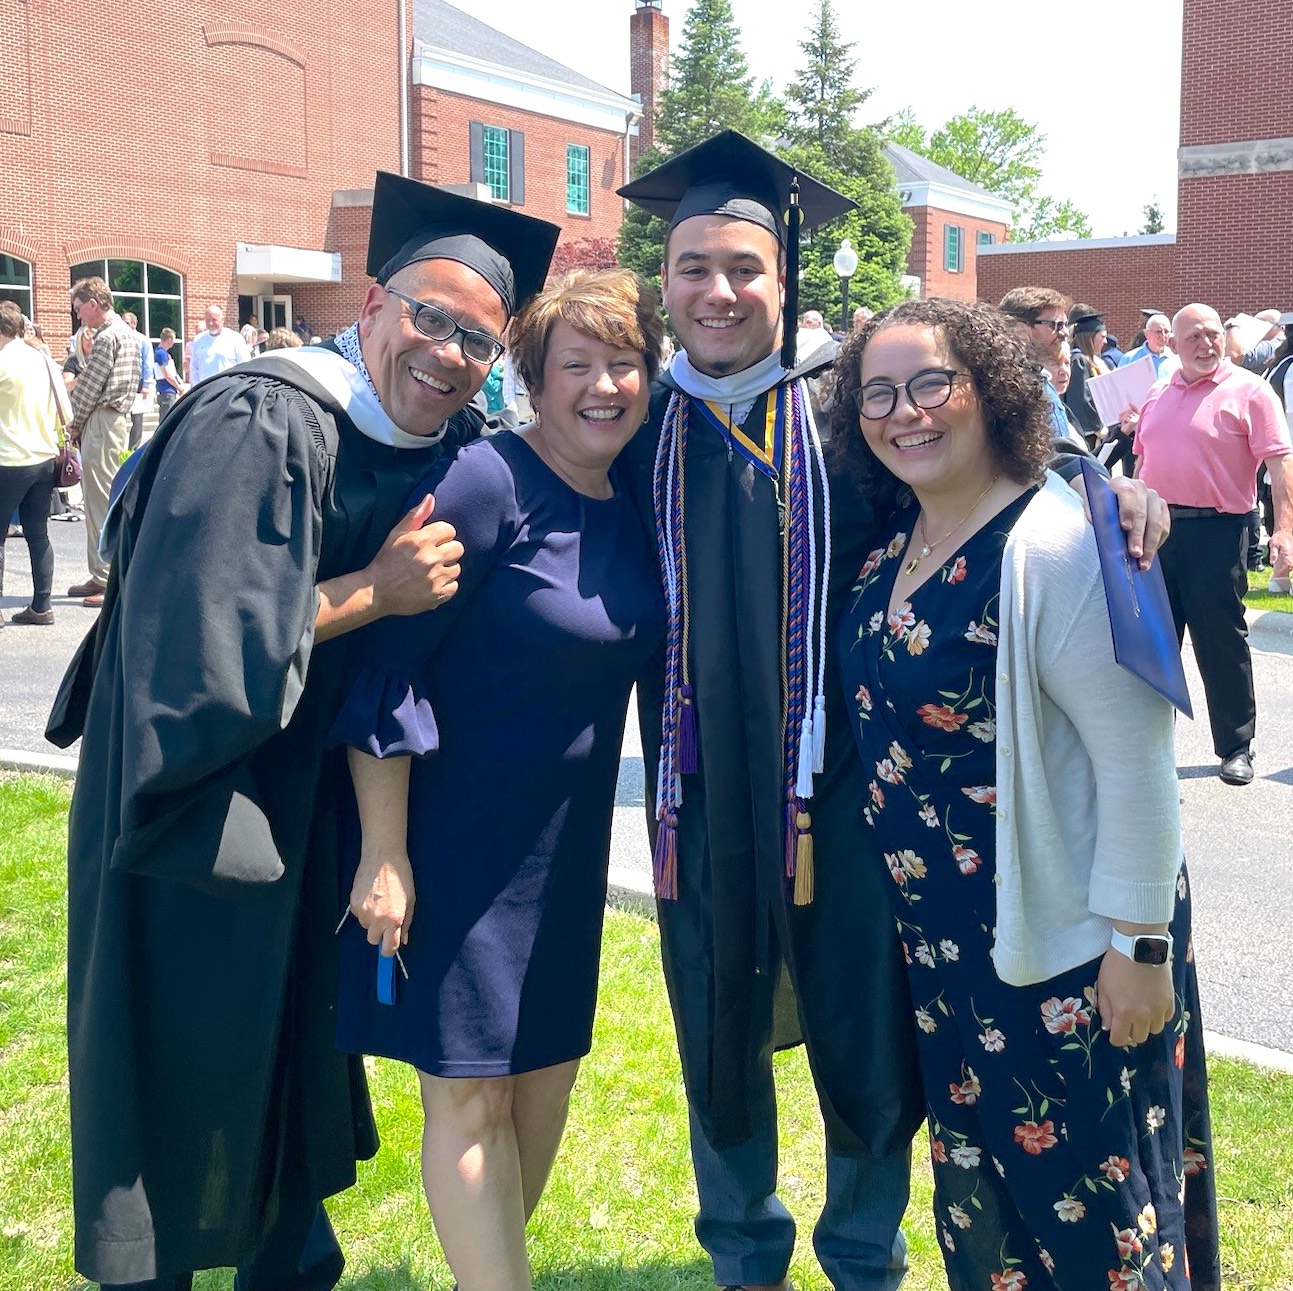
{"points": [[763, 457]]}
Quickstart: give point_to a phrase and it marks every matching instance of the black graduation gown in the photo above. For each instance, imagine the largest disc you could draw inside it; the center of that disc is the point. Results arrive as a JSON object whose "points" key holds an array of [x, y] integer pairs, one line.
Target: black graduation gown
{"points": [[721, 938], [206, 1089]]}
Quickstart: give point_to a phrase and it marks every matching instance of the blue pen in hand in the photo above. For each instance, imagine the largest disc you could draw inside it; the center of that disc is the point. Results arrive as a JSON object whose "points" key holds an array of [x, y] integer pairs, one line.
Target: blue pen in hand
{"points": [[385, 978], [386, 965]]}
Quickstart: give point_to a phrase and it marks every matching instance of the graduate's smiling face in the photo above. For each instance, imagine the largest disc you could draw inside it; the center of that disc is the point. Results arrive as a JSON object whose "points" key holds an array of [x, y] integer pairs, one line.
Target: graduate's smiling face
{"points": [[422, 382], [724, 287]]}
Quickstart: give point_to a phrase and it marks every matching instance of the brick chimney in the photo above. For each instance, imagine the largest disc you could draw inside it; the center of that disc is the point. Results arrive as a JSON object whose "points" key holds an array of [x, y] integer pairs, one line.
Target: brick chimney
{"points": [[648, 67]]}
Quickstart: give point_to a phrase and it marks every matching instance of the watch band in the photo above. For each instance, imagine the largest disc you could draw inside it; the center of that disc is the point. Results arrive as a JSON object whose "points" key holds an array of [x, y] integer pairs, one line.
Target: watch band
{"points": [[1144, 947]]}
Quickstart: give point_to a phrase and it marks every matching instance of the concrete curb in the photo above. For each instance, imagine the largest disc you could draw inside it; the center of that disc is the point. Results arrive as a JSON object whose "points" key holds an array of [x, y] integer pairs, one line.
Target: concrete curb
{"points": [[631, 891], [60, 764]]}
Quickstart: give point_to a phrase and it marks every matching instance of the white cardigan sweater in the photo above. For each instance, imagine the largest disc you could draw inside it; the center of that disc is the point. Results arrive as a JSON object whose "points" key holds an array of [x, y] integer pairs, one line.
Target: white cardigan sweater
{"points": [[1088, 821]]}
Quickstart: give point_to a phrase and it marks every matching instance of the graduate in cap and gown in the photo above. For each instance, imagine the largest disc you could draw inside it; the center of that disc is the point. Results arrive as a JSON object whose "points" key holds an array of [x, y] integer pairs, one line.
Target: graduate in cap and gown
{"points": [[771, 894], [763, 869], [210, 1110]]}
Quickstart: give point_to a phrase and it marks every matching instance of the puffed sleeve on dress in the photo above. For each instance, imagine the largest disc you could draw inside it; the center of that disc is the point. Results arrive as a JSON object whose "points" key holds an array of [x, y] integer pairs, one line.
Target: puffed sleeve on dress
{"points": [[387, 710]]}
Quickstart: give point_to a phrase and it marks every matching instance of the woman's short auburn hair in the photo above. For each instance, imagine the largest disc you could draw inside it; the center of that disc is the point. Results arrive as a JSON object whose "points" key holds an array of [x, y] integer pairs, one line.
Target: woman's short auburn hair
{"points": [[1009, 387], [614, 306]]}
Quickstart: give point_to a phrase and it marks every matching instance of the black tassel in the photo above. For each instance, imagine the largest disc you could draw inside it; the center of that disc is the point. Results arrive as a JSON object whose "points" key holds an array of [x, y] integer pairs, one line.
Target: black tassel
{"points": [[790, 316]]}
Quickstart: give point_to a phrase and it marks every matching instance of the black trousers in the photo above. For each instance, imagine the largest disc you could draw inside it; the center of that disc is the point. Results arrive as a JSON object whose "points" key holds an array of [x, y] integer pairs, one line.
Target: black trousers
{"points": [[28, 490], [300, 1253], [1206, 569]]}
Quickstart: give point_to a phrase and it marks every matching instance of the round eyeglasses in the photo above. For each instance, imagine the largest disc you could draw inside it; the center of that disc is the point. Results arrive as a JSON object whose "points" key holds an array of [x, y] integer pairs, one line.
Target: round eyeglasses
{"points": [[436, 325], [928, 389]]}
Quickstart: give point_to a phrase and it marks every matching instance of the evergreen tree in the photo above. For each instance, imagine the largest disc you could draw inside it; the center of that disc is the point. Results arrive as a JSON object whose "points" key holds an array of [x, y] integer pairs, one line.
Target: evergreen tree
{"points": [[712, 90], [878, 230], [826, 144], [710, 85], [823, 99], [641, 238]]}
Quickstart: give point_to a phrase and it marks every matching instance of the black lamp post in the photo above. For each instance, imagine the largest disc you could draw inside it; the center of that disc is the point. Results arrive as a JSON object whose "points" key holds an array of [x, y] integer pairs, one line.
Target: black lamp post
{"points": [[846, 265]]}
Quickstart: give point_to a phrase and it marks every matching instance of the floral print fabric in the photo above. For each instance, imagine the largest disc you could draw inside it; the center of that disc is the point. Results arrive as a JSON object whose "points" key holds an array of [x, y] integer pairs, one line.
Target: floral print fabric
{"points": [[1059, 1161]]}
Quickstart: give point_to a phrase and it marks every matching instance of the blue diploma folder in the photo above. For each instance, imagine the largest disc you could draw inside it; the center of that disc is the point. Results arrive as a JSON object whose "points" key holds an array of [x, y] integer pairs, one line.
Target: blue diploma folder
{"points": [[1144, 635]]}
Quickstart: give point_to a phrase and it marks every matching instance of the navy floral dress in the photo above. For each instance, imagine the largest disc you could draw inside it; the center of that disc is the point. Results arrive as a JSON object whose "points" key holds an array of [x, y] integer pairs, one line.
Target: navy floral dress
{"points": [[1057, 1158]]}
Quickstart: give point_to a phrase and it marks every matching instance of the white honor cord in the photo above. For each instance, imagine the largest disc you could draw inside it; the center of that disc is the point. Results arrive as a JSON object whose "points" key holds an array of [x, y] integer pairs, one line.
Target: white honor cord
{"points": [[819, 700], [807, 734]]}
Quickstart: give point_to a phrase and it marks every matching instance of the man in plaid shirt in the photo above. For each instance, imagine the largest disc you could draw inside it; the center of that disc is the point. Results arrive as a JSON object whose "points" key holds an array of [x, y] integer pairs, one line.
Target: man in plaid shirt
{"points": [[101, 402]]}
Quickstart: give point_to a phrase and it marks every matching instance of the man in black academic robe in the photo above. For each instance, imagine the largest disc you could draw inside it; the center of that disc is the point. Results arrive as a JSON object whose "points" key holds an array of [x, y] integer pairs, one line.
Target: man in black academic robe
{"points": [[211, 1110]]}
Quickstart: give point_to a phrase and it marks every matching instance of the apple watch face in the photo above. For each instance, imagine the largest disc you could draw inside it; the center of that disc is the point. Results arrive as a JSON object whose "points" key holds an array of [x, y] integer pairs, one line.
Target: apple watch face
{"points": [[1152, 950]]}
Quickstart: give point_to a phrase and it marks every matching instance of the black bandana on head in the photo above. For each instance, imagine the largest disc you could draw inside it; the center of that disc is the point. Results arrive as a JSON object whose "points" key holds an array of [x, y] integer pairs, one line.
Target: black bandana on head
{"points": [[466, 249]]}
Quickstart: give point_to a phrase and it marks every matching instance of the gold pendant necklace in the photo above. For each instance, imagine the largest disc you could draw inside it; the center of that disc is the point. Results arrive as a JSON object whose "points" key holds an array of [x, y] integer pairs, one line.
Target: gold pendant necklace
{"points": [[927, 547]]}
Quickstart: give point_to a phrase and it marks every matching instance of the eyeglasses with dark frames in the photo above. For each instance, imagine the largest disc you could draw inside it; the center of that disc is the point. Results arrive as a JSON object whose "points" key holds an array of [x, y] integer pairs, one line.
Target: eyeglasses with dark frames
{"points": [[436, 325], [1056, 325], [928, 389]]}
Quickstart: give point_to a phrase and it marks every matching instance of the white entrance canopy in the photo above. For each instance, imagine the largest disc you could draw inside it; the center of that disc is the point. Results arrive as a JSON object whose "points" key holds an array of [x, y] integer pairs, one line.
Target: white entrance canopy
{"points": [[259, 264]]}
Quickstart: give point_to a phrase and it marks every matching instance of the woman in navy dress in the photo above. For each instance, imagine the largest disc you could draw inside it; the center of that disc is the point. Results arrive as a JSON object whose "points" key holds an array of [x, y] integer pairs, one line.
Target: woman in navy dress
{"points": [[1061, 1064], [485, 741]]}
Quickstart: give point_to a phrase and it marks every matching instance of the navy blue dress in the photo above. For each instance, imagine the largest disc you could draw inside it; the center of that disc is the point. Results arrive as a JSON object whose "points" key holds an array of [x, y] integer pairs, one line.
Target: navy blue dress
{"points": [[511, 699], [1058, 1160]]}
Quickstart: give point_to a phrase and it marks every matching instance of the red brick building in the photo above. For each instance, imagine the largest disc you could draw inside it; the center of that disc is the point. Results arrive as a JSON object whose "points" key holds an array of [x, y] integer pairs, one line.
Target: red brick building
{"points": [[1234, 190], [239, 168], [954, 221]]}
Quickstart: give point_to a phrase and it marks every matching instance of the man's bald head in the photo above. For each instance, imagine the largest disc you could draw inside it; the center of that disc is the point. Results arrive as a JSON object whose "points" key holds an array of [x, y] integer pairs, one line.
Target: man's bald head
{"points": [[1198, 340]]}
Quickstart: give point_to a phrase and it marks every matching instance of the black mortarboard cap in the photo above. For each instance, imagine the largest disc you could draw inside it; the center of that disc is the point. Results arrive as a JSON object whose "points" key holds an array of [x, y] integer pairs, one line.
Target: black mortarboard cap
{"points": [[1149, 312], [733, 176], [413, 221], [1085, 319]]}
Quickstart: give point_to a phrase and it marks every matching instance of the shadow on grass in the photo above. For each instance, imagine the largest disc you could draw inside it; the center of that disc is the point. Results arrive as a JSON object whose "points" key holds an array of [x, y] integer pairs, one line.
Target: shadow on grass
{"points": [[694, 1275]]}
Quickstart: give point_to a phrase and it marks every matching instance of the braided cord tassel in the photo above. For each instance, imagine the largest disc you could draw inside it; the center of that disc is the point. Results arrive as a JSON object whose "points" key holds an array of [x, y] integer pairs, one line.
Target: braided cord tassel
{"points": [[796, 613], [667, 499]]}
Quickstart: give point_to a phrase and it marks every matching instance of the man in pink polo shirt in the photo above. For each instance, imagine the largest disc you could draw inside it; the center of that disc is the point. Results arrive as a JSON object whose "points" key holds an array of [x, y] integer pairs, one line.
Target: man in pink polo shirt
{"points": [[1200, 438]]}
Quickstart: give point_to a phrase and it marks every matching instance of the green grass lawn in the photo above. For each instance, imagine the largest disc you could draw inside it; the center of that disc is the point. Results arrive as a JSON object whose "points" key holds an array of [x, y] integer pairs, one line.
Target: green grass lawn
{"points": [[617, 1214], [1260, 598]]}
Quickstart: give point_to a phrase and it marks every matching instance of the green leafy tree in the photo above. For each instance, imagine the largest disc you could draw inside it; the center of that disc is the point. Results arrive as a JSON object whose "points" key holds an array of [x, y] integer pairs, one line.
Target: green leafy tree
{"points": [[878, 230], [710, 84], [904, 129], [1153, 218], [999, 151], [822, 98]]}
